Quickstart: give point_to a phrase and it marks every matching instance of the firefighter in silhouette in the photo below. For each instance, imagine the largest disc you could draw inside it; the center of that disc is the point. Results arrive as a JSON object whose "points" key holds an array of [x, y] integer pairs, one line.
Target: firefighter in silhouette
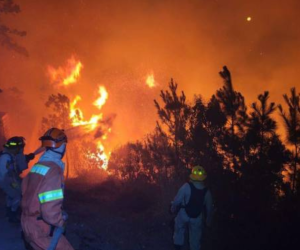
{"points": [[192, 201], [43, 219], [12, 163]]}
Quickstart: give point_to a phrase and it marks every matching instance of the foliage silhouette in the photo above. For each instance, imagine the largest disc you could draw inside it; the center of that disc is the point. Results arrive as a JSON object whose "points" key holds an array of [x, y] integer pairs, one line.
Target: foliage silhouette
{"points": [[292, 125], [242, 153], [7, 33]]}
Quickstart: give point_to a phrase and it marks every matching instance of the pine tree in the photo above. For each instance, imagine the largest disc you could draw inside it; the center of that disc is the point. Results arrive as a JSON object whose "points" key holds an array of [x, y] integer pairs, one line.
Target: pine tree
{"points": [[174, 122], [292, 125], [233, 106], [260, 124]]}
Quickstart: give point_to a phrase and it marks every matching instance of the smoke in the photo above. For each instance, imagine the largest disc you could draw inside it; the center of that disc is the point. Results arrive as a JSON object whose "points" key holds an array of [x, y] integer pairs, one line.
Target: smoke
{"points": [[120, 42], [104, 126], [18, 114]]}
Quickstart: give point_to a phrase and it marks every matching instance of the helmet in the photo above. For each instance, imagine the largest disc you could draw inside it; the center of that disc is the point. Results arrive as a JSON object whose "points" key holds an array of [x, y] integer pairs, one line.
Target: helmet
{"points": [[15, 142], [198, 174], [54, 138]]}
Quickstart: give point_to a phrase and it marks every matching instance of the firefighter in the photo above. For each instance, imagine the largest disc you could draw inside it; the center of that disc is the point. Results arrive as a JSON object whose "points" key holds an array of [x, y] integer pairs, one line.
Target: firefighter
{"points": [[191, 202], [12, 163], [43, 219]]}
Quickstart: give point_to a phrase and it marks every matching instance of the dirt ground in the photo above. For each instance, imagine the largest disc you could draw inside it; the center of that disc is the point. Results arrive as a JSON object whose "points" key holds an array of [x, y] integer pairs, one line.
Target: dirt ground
{"points": [[113, 216], [107, 216], [10, 234], [103, 216]]}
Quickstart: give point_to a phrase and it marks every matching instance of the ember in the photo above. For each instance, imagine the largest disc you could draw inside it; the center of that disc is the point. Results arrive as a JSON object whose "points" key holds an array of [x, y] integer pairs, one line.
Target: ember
{"points": [[150, 81]]}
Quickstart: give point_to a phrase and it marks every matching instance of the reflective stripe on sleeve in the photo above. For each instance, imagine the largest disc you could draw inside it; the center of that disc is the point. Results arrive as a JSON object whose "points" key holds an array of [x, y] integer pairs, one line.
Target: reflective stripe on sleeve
{"points": [[51, 196], [40, 169]]}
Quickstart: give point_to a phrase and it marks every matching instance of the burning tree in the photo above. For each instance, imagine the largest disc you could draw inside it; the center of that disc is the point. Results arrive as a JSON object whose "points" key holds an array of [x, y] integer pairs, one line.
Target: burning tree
{"points": [[86, 135]]}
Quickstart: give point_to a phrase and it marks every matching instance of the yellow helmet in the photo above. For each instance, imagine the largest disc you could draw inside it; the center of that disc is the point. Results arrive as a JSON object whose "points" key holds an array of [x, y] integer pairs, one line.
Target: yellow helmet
{"points": [[198, 174]]}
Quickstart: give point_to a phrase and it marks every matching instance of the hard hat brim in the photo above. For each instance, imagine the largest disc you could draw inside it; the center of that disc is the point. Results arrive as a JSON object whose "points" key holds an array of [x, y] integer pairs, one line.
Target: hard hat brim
{"points": [[51, 144], [195, 177]]}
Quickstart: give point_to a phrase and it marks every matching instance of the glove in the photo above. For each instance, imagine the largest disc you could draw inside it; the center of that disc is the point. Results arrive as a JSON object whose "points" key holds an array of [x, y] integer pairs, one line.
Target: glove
{"points": [[29, 157]]}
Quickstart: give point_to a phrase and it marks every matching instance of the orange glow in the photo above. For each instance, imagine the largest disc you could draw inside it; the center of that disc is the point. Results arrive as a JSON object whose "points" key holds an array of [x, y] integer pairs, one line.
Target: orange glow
{"points": [[150, 81], [123, 48], [67, 75]]}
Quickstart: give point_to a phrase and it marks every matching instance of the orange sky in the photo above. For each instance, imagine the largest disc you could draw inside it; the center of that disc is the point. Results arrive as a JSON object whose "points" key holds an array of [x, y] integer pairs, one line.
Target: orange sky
{"points": [[120, 42]]}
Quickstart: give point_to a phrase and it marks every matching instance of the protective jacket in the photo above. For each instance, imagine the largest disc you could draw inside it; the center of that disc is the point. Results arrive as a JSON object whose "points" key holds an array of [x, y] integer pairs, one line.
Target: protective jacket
{"points": [[10, 168], [182, 219], [42, 201]]}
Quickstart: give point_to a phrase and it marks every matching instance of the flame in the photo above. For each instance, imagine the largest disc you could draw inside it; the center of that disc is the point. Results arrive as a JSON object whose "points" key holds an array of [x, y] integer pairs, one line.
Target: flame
{"points": [[100, 156], [67, 75], [70, 74], [102, 99], [150, 81], [77, 119]]}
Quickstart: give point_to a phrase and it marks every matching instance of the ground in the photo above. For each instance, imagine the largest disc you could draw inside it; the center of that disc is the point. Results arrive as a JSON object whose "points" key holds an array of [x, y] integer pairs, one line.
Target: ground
{"points": [[115, 216], [10, 237], [107, 216]]}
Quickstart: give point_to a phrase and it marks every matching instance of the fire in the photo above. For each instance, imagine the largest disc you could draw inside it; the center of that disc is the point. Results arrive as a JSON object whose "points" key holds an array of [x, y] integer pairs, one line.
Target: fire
{"points": [[75, 114], [150, 81], [67, 75], [77, 119], [100, 156], [103, 97]]}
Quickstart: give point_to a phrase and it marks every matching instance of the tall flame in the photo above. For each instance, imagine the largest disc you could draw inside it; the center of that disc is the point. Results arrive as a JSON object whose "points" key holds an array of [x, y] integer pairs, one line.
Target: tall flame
{"points": [[77, 118], [102, 99], [70, 74], [67, 75]]}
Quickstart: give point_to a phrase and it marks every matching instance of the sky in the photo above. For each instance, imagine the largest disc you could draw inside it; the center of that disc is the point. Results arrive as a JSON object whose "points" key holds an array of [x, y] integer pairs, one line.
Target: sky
{"points": [[120, 42]]}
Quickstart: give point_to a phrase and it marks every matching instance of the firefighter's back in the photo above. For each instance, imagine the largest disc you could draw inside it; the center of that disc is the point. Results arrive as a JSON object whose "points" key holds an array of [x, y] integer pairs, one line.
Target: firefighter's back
{"points": [[41, 205]]}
